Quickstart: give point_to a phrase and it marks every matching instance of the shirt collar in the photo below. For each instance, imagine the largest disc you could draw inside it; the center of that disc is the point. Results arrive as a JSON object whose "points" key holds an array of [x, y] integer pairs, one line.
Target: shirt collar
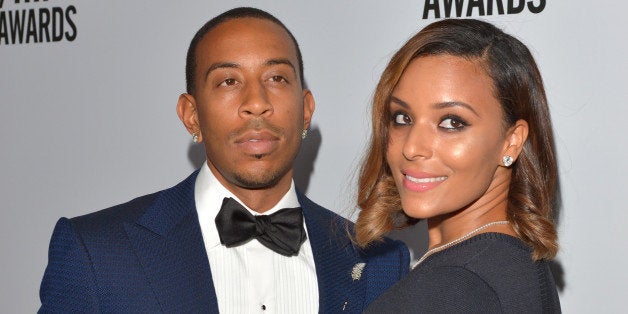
{"points": [[209, 194]]}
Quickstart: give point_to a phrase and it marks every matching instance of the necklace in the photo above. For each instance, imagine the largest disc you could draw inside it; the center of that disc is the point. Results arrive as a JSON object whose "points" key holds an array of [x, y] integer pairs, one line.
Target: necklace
{"points": [[458, 240]]}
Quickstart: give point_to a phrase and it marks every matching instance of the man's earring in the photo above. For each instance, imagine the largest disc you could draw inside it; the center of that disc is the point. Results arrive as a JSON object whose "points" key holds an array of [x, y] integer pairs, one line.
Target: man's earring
{"points": [[195, 138], [507, 161], [304, 134]]}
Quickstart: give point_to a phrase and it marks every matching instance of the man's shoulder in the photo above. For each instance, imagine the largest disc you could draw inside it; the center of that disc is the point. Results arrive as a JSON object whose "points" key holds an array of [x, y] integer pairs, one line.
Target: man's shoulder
{"points": [[341, 226], [132, 210], [125, 212], [315, 212], [389, 246]]}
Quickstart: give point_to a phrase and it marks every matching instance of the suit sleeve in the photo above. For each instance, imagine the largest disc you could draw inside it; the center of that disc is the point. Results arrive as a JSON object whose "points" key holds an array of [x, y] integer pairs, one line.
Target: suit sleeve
{"points": [[68, 285]]}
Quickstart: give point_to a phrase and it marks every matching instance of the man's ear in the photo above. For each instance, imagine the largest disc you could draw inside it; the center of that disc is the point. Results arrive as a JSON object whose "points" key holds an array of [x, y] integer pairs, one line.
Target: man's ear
{"points": [[186, 110], [516, 137], [308, 108]]}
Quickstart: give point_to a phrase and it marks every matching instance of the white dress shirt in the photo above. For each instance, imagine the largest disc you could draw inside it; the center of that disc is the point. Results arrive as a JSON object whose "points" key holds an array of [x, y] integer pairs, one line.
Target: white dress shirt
{"points": [[252, 278]]}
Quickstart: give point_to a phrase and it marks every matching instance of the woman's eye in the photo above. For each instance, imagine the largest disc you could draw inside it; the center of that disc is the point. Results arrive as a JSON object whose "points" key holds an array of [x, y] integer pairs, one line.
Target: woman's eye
{"points": [[401, 119], [452, 123]]}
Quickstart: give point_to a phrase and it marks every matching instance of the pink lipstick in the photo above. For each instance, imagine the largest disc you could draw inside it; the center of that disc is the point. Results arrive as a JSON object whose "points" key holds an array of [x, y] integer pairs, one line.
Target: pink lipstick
{"points": [[421, 181]]}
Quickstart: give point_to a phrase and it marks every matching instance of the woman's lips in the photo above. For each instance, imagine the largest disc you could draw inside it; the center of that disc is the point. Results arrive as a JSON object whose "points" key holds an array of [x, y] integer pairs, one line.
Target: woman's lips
{"points": [[421, 182]]}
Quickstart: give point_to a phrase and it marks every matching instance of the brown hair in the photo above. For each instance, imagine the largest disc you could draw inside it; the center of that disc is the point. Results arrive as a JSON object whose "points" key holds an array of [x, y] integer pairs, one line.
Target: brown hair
{"points": [[519, 89]]}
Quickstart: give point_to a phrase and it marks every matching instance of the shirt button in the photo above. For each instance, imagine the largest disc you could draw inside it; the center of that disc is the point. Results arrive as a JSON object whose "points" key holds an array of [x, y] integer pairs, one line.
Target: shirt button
{"points": [[263, 307]]}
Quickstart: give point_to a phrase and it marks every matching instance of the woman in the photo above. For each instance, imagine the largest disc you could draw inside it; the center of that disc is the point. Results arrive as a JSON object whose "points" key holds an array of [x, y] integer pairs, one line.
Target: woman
{"points": [[462, 137]]}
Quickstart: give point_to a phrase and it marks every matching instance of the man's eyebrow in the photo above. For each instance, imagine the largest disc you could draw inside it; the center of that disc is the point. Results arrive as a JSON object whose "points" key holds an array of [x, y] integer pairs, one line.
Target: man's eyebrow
{"points": [[231, 65], [281, 61], [220, 65]]}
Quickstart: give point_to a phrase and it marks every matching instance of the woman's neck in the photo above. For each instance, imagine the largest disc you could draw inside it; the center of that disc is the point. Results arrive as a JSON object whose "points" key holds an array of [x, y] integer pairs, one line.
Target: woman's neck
{"points": [[489, 208]]}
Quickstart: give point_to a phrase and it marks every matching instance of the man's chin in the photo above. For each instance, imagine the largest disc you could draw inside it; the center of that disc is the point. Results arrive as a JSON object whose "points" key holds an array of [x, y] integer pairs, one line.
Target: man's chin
{"points": [[257, 181]]}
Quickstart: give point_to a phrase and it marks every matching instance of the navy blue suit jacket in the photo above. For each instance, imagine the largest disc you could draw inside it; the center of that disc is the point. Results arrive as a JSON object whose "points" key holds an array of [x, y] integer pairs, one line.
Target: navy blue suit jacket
{"points": [[148, 255]]}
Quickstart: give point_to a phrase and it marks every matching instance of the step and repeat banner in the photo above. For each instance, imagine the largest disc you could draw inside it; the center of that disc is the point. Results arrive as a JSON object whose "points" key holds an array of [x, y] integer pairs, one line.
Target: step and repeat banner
{"points": [[87, 115]]}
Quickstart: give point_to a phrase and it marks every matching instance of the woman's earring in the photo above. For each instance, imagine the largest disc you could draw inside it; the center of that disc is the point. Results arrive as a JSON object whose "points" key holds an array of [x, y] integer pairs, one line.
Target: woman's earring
{"points": [[195, 138], [304, 134], [507, 161]]}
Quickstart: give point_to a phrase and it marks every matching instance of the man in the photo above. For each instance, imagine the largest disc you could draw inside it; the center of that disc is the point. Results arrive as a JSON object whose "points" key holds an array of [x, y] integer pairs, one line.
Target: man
{"points": [[231, 237]]}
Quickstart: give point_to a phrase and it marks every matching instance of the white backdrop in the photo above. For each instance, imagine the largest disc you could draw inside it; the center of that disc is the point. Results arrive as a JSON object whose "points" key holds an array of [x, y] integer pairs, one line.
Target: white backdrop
{"points": [[89, 122]]}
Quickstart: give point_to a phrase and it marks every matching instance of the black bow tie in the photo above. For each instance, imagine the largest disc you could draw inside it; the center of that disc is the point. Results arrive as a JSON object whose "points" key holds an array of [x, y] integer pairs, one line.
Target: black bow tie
{"points": [[281, 232]]}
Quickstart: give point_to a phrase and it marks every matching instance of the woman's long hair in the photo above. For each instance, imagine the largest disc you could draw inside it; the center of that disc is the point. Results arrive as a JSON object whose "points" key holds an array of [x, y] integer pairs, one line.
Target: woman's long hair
{"points": [[518, 87]]}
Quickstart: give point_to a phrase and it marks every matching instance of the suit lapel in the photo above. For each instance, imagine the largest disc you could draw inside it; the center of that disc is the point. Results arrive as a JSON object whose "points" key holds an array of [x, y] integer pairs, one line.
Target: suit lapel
{"points": [[334, 257], [168, 242]]}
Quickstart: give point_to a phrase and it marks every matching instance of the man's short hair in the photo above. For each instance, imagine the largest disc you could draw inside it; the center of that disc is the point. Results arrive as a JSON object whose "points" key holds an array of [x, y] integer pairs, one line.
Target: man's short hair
{"points": [[242, 12]]}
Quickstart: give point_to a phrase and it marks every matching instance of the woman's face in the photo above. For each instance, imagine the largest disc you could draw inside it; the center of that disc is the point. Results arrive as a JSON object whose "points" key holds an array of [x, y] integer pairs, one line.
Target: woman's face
{"points": [[446, 137]]}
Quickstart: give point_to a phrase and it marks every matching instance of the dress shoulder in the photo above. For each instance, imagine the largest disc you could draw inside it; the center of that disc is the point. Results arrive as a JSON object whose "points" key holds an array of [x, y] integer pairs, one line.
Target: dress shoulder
{"points": [[447, 289], [490, 273]]}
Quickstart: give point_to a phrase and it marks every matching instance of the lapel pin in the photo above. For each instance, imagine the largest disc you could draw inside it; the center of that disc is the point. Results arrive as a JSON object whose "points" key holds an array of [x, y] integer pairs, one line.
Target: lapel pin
{"points": [[356, 272]]}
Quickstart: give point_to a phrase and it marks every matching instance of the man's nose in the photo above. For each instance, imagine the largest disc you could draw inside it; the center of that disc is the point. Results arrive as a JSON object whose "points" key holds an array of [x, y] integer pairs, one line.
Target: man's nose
{"points": [[256, 102]]}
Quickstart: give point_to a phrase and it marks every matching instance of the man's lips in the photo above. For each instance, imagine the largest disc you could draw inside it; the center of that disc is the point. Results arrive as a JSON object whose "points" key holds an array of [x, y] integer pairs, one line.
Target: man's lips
{"points": [[257, 142]]}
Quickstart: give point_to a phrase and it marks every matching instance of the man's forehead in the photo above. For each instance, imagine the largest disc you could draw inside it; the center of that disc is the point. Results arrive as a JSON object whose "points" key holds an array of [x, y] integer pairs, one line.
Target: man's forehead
{"points": [[239, 39], [240, 31]]}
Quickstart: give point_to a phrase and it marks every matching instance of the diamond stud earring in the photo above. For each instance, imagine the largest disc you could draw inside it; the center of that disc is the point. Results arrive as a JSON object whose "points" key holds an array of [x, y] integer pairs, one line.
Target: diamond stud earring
{"points": [[507, 161]]}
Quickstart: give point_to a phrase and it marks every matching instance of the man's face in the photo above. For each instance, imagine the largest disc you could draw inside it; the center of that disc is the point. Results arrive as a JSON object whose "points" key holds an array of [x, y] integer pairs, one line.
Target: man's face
{"points": [[250, 105]]}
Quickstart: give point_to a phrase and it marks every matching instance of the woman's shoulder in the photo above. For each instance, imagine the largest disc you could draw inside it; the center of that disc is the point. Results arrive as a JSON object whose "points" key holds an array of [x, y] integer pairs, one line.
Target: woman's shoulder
{"points": [[504, 263], [485, 245], [444, 289], [489, 273], [495, 257]]}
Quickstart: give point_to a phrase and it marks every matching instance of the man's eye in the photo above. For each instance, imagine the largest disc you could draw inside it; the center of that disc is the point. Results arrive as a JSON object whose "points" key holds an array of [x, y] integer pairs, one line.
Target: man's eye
{"points": [[278, 78], [401, 118], [452, 123], [228, 82]]}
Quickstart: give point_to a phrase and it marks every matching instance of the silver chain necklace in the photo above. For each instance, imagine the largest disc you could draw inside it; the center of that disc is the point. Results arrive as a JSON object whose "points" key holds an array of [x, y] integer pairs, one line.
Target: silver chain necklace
{"points": [[458, 240]]}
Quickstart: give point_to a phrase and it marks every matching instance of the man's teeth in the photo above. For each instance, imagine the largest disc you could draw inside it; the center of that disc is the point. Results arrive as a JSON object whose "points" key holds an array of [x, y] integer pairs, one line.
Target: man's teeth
{"points": [[425, 180]]}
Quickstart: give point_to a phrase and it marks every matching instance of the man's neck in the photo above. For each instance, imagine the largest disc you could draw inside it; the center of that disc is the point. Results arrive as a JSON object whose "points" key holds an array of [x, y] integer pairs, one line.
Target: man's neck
{"points": [[259, 200]]}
